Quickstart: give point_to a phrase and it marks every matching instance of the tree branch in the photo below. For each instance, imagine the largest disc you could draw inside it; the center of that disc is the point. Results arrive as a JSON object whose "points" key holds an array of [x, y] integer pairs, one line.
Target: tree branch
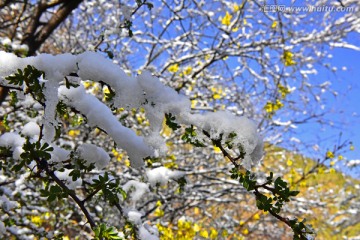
{"points": [[73, 196]]}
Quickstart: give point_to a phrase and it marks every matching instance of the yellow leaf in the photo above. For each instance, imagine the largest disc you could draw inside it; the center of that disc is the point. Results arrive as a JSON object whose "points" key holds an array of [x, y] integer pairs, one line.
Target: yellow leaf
{"points": [[196, 211], [283, 90], [158, 212], [188, 70], [235, 29], [332, 163], [216, 96], [217, 149], [332, 170], [127, 163], [256, 216], [278, 105], [236, 7], [269, 107], [106, 90], [289, 163], [288, 58], [340, 157], [213, 233], [193, 103], [245, 21], [352, 148], [242, 223], [88, 84], [173, 68], [119, 157], [196, 227], [303, 184], [166, 130], [74, 133], [329, 154], [245, 231], [204, 234], [36, 220], [274, 24], [226, 20]]}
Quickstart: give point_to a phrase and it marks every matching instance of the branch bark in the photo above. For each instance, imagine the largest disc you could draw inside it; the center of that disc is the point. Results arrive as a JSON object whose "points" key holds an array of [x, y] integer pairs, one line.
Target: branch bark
{"points": [[34, 38]]}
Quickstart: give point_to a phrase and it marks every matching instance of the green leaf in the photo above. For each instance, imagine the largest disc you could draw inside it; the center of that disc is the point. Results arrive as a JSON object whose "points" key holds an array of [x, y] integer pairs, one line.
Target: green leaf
{"points": [[61, 108], [18, 167], [5, 123], [170, 122], [189, 135], [30, 75], [51, 197], [294, 193], [14, 98]]}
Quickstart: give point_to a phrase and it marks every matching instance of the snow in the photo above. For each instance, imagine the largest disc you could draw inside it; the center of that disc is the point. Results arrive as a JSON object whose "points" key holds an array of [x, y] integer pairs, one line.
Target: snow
{"points": [[126, 11], [94, 154], [31, 129], [146, 232], [130, 92], [7, 204], [64, 176], [353, 163], [161, 175], [223, 123], [13, 141], [135, 189], [2, 229], [134, 217], [124, 137], [59, 154]]}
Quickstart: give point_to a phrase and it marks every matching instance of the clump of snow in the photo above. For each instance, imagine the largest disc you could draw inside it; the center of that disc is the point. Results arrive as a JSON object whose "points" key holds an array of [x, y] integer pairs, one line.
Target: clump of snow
{"points": [[143, 91], [126, 11], [223, 124], [2, 229], [161, 175], [13, 141], [146, 232], [94, 154], [19, 183], [7, 204], [353, 163], [124, 137], [59, 154], [134, 216], [31, 129], [135, 189], [64, 176]]}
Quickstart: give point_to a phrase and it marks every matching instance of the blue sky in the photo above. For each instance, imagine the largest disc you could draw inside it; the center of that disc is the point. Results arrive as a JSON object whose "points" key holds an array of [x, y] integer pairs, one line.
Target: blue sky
{"points": [[344, 108], [348, 83]]}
